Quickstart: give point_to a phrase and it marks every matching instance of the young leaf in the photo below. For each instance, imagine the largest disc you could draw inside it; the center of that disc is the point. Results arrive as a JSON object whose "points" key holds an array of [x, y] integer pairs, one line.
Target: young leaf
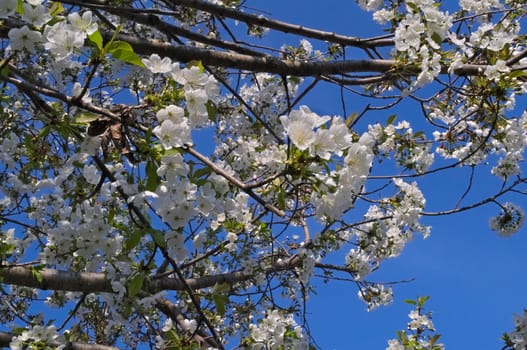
{"points": [[280, 199], [56, 9], [158, 238], [422, 300], [133, 239], [123, 51], [96, 38], [152, 179], [134, 284], [86, 117], [220, 301], [20, 7], [437, 39], [391, 119], [201, 172], [4, 71]]}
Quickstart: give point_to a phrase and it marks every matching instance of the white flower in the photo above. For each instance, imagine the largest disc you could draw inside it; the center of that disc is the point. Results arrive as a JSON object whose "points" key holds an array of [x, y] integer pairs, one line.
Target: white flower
{"points": [[172, 165], [189, 325], [375, 295], [270, 333], [358, 261], [77, 90], [496, 71], [171, 112], [91, 174], [193, 77], [408, 33], [37, 15], [383, 15], [8, 8], [393, 344], [300, 125], [173, 134], [370, 5], [157, 65], [196, 106], [419, 321], [62, 40], [411, 203], [509, 221], [24, 38], [519, 335], [83, 24]]}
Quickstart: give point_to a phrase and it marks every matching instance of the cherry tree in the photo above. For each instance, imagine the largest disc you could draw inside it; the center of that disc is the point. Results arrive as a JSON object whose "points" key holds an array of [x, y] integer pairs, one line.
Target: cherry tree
{"points": [[165, 185]]}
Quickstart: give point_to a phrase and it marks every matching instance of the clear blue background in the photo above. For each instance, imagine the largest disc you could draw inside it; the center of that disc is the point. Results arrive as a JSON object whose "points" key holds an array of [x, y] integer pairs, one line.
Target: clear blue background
{"points": [[475, 278]]}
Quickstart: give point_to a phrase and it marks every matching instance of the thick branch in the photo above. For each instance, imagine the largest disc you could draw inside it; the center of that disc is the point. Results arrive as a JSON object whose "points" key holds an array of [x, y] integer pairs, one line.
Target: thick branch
{"points": [[89, 282], [271, 64], [92, 282], [267, 63]]}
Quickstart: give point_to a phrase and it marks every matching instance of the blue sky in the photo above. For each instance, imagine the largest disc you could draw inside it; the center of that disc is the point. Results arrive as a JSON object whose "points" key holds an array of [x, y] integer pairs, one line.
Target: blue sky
{"points": [[474, 277]]}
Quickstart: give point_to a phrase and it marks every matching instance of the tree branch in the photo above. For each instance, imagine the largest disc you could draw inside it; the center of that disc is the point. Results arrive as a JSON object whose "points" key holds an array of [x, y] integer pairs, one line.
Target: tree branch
{"points": [[284, 27], [97, 282], [234, 181]]}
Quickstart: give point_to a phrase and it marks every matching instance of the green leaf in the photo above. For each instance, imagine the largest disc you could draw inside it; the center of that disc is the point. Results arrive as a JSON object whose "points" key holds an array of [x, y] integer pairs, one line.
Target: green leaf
{"points": [[56, 9], [158, 237], [135, 284], [20, 7], [437, 39], [280, 199], [198, 64], [5, 69], [201, 172], [517, 74], [86, 117], [351, 118], [212, 111], [221, 288], [123, 51], [45, 131], [422, 300], [220, 301], [413, 6], [410, 301], [96, 38], [35, 271], [152, 179], [133, 239], [391, 119], [434, 339], [419, 134]]}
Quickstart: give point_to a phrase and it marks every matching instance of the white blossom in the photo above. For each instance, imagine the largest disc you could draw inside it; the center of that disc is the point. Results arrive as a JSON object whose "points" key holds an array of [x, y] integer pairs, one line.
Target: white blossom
{"points": [[24, 38], [84, 23], [157, 65]]}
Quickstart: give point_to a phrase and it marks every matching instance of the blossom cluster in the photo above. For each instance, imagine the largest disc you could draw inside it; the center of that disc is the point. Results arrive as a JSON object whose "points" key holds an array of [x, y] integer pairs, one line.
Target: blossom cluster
{"points": [[387, 230], [175, 123], [420, 330], [509, 221], [37, 337], [277, 331], [518, 337]]}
